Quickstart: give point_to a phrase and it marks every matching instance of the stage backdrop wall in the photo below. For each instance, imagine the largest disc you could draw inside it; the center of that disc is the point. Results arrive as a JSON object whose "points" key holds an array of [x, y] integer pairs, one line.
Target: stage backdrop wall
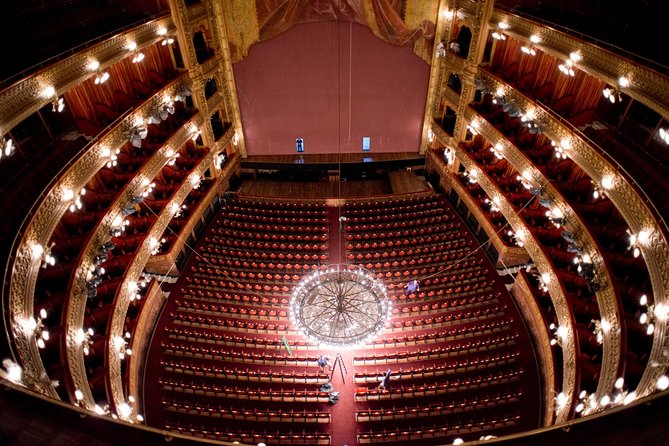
{"points": [[331, 83]]}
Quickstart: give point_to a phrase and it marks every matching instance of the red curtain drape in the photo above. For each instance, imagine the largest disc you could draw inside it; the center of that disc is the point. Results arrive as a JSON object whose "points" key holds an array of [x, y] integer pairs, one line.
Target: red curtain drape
{"points": [[383, 17], [90, 101]]}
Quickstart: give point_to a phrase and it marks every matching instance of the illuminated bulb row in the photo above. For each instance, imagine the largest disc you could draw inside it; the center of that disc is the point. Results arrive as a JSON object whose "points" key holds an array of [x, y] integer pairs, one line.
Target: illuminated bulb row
{"points": [[448, 155], [177, 210], [171, 157], [195, 181], [560, 334], [568, 66], [111, 157], [42, 254], [118, 226], [615, 94], [220, 159], [497, 151], [58, 105], [155, 244], [121, 345], [635, 240], [494, 204], [518, 236], [498, 35], [167, 40], [135, 288], [7, 147], [101, 78], [528, 50], [35, 327], [84, 339], [473, 127], [73, 199], [664, 135]]}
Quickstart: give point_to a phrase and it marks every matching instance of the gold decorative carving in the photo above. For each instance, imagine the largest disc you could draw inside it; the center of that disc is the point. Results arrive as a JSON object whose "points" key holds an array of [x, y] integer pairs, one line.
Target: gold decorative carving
{"points": [[646, 85], [77, 299], [146, 320], [44, 221], [25, 97], [443, 26], [527, 304], [606, 297], [418, 11], [631, 206], [134, 270], [543, 265], [509, 255], [241, 18], [216, 14]]}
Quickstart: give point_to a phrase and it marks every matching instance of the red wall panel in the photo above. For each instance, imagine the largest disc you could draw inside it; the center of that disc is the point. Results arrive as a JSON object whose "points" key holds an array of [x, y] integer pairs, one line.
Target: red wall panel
{"points": [[331, 83]]}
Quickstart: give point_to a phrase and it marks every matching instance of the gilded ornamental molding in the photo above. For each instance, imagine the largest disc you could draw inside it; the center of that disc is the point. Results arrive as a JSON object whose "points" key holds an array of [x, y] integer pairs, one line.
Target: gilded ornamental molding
{"points": [[606, 296], [442, 31], [646, 85], [545, 268], [632, 207], [47, 216], [78, 293], [133, 272], [28, 95]]}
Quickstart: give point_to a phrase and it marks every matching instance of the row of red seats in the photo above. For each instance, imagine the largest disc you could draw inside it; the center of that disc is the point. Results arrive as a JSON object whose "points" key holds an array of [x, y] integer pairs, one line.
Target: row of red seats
{"points": [[230, 413], [410, 222], [237, 311], [402, 234], [482, 342], [234, 216], [214, 296], [265, 247], [202, 349], [283, 237], [245, 393], [254, 437], [441, 409], [269, 228], [453, 428], [444, 304], [215, 337], [406, 205], [486, 380], [431, 242], [202, 321], [463, 365], [255, 375]]}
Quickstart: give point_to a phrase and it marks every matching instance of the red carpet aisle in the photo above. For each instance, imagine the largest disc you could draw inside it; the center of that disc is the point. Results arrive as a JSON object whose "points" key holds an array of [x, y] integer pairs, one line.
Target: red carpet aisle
{"points": [[335, 236], [461, 361]]}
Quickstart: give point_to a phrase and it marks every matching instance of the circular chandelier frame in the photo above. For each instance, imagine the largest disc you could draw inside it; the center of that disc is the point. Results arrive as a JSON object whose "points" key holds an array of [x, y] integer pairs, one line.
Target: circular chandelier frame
{"points": [[343, 306]]}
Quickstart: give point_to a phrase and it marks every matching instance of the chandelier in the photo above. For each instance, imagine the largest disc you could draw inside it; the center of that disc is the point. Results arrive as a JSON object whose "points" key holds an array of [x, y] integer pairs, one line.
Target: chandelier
{"points": [[343, 306]]}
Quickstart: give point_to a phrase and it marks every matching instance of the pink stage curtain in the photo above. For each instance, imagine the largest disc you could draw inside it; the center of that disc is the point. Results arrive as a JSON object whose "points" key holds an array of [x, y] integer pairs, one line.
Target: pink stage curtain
{"points": [[383, 17]]}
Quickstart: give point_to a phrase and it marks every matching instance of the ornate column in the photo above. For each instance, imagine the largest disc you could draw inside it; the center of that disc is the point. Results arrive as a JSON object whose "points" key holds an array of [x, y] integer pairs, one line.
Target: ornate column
{"points": [[442, 34], [216, 12]]}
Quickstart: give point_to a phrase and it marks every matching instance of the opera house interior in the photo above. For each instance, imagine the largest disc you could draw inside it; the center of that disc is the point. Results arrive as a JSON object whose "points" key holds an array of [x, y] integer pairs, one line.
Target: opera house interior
{"points": [[334, 222]]}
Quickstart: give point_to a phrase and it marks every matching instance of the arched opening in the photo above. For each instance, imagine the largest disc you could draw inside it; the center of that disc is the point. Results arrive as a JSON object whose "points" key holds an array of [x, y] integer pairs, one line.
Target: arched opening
{"points": [[218, 125], [448, 121], [454, 83], [464, 39], [210, 88], [202, 51]]}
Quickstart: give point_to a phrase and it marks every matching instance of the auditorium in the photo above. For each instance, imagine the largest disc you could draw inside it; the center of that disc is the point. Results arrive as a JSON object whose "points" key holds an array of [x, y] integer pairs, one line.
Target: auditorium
{"points": [[334, 222]]}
